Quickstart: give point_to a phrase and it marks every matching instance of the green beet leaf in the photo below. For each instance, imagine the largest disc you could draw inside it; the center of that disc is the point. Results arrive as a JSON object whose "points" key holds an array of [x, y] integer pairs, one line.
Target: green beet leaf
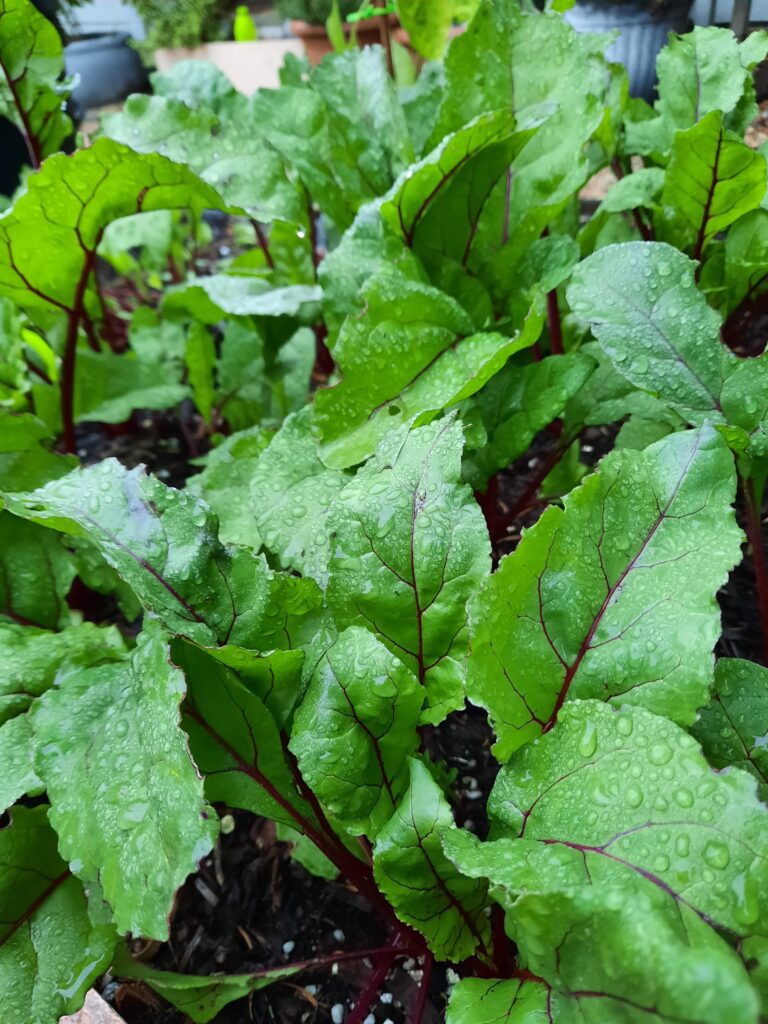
{"points": [[32, 95], [237, 743], [291, 493], [355, 730], [519, 402], [36, 573], [491, 1001], [630, 858], [733, 727], [49, 238], [703, 71], [31, 660], [613, 596], [641, 303], [420, 882], [164, 544], [225, 481], [201, 998], [712, 179], [126, 798], [409, 547], [412, 353], [55, 940]]}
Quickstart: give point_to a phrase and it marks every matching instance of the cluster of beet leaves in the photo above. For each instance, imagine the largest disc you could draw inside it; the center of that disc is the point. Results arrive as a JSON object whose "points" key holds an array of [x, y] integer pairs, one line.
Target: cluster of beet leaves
{"points": [[383, 601]]}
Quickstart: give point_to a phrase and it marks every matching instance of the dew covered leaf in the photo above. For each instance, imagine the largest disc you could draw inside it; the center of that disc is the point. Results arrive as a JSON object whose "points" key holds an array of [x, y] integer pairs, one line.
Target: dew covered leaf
{"points": [[641, 188], [642, 305], [199, 997], [126, 798], [420, 882], [32, 94], [516, 404], [613, 596], [54, 940], [356, 728], [493, 1001], [436, 204], [36, 573], [703, 71], [224, 484], [31, 660], [621, 859], [291, 491], [236, 740], [49, 238], [164, 544], [712, 179], [210, 298], [412, 353], [733, 727], [409, 546]]}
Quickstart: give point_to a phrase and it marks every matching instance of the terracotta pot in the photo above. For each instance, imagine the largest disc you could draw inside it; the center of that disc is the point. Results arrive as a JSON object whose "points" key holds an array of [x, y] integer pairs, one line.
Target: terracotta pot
{"points": [[317, 44]]}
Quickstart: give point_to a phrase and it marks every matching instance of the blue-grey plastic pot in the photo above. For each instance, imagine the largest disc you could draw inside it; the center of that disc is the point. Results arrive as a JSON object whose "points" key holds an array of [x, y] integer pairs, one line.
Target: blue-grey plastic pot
{"points": [[642, 34], [108, 67]]}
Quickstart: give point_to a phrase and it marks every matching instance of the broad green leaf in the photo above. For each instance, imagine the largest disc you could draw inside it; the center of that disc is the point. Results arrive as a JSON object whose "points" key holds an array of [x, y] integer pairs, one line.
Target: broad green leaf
{"points": [[518, 403], [631, 857], [420, 882], [712, 179], [54, 940], [449, 186], [612, 596], [200, 358], [412, 353], [210, 298], [17, 762], [427, 25], [198, 997], [746, 258], [642, 305], [744, 401], [198, 84], [36, 573], [126, 798], [607, 397], [496, 64], [365, 115], [236, 742], [409, 546], [225, 482], [164, 544], [641, 188], [49, 238], [32, 95], [32, 658], [704, 71], [733, 727], [643, 787], [109, 386], [291, 492], [492, 1001], [355, 730]]}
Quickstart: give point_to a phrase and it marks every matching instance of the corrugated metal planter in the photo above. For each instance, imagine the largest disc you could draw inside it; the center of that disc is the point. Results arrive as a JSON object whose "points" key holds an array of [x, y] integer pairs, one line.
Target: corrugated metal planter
{"points": [[643, 32]]}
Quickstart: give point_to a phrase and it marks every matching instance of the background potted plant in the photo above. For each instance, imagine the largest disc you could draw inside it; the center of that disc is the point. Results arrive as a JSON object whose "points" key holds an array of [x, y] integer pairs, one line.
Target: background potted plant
{"points": [[204, 30], [308, 20], [643, 25]]}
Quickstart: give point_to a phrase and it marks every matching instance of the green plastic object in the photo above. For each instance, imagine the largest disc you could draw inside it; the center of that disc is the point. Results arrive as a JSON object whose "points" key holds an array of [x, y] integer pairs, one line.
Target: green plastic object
{"points": [[245, 30]]}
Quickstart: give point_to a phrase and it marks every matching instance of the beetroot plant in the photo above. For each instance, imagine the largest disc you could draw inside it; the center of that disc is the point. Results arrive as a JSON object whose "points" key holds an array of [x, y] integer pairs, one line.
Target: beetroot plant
{"points": [[390, 337]]}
